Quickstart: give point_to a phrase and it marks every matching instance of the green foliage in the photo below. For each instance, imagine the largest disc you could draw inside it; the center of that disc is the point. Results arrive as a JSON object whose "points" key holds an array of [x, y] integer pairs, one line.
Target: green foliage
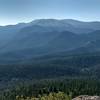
{"points": [[82, 74], [44, 88], [51, 96], [53, 67]]}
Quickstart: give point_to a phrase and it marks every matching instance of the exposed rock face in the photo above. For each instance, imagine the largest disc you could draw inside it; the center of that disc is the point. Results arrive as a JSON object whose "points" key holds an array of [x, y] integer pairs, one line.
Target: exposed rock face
{"points": [[86, 97]]}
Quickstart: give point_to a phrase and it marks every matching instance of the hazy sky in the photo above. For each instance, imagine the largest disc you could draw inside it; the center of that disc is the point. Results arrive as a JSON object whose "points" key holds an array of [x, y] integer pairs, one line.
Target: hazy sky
{"points": [[15, 11]]}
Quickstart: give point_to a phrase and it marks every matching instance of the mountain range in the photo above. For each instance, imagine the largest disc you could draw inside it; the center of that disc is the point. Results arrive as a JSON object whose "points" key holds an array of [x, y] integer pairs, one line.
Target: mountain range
{"points": [[25, 41]]}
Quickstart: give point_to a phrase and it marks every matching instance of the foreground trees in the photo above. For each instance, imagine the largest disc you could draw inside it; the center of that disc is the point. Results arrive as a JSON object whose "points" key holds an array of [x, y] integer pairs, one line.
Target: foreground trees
{"points": [[51, 96], [49, 89]]}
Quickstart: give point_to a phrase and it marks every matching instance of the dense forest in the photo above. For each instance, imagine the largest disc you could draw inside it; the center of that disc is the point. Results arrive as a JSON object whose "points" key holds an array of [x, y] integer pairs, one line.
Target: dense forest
{"points": [[66, 88], [53, 66], [46, 76]]}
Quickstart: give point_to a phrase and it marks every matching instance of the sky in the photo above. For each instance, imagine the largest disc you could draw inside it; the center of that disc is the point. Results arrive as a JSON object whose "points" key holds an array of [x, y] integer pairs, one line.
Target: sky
{"points": [[17, 11]]}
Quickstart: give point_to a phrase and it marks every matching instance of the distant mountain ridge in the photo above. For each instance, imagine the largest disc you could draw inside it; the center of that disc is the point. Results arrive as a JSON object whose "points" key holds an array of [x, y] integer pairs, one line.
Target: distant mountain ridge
{"points": [[48, 36]]}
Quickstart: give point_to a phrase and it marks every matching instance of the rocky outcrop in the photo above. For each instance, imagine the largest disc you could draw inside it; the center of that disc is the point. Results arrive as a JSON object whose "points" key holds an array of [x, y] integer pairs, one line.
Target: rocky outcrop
{"points": [[86, 97]]}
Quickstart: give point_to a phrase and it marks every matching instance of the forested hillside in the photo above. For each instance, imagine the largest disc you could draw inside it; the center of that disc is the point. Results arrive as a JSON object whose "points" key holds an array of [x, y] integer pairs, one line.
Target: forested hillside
{"points": [[53, 66], [69, 74]]}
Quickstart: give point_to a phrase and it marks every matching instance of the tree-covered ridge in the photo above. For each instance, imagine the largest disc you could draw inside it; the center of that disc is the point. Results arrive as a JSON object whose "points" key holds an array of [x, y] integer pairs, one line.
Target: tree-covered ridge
{"points": [[52, 67], [82, 73]]}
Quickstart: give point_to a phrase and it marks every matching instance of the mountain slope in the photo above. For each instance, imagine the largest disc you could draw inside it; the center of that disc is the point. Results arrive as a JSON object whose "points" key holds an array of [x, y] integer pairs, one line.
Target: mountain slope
{"points": [[48, 36], [27, 45]]}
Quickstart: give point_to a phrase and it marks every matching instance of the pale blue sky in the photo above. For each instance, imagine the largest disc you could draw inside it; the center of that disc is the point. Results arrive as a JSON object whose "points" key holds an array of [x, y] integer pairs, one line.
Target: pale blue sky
{"points": [[15, 11]]}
